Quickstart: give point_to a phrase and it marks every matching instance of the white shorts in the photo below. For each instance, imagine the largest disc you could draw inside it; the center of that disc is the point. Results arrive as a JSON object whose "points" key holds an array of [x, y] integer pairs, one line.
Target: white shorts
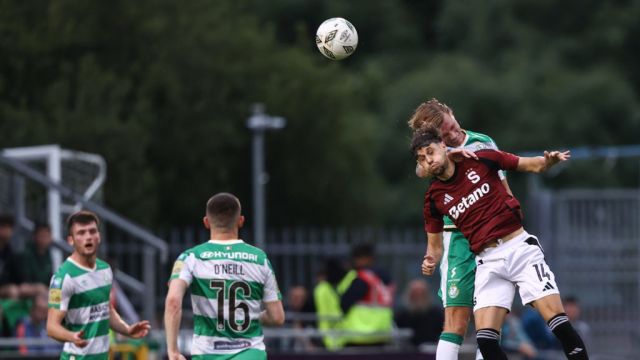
{"points": [[518, 261]]}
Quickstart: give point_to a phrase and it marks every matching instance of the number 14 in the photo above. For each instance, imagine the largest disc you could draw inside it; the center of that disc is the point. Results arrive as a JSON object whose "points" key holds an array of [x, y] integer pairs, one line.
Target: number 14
{"points": [[541, 273]]}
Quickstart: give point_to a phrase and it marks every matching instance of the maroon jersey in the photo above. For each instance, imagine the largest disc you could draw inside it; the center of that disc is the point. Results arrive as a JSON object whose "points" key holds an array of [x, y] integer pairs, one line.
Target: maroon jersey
{"points": [[475, 199]]}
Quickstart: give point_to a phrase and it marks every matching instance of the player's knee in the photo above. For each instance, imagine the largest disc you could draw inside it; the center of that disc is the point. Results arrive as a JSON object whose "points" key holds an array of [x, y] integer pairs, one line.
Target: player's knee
{"points": [[489, 344], [457, 320], [458, 326]]}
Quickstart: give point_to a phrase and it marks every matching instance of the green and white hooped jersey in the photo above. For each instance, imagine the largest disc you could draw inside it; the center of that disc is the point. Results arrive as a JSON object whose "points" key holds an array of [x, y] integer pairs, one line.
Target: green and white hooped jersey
{"points": [[229, 281], [474, 141], [83, 294]]}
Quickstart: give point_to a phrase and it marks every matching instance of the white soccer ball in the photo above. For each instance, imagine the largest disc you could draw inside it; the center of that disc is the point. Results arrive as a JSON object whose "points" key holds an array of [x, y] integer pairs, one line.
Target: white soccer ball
{"points": [[336, 38]]}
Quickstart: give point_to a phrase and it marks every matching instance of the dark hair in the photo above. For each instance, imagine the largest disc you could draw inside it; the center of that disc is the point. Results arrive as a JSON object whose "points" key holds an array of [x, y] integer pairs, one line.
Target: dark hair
{"points": [[334, 270], [41, 226], [223, 211], [7, 220], [424, 138], [362, 250], [81, 217]]}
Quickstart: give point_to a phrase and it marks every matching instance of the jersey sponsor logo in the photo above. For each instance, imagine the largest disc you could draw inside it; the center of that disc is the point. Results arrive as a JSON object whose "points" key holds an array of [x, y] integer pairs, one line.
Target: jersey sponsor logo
{"points": [[447, 199], [98, 312], [453, 272], [227, 255], [456, 210], [231, 345], [55, 296]]}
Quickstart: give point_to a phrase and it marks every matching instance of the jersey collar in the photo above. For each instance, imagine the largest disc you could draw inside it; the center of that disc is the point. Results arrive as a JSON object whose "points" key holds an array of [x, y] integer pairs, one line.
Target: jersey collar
{"points": [[466, 139], [226, 242], [464, 142], [83, 267]]}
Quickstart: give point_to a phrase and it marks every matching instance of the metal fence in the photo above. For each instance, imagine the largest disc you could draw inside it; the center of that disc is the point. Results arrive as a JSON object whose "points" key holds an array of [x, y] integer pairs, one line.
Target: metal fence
{"points": [[592, 240], [591, 237]]}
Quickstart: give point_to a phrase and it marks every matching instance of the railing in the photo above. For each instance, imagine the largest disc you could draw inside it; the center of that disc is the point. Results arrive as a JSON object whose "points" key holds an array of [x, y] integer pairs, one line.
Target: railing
{"points": [[153, 245]]}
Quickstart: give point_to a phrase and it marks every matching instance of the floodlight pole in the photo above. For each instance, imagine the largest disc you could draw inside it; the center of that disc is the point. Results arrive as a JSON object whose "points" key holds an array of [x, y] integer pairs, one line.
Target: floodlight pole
{"points": [[258, 123]]}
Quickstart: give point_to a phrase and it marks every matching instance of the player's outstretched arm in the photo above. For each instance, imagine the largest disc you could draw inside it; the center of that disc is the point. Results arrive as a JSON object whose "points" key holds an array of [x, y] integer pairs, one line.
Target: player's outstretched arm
{"points": [[137, 330], [56, 331], [273, 314], [538, 164], [173, 315], [434, 253]]}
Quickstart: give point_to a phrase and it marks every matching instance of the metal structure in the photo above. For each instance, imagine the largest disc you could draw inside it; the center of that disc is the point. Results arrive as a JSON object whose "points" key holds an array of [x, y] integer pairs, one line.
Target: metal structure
{"points": [[153, 245], [259, 123], [53, 158]]}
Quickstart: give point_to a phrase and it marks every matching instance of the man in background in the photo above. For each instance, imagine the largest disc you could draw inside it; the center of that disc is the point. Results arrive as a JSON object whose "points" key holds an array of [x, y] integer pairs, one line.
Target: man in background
{"points": [[36, 260], [420, 314], [368, 300]]}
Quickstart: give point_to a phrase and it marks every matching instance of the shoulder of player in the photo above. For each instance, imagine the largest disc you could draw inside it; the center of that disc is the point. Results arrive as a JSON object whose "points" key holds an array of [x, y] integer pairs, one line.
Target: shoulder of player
{"points": [[478, 137], [489, 154], [67, 269], [102, 265], [254, 250]]}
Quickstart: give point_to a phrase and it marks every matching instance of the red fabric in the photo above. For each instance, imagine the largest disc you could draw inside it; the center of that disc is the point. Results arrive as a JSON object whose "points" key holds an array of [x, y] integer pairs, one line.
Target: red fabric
{"points": [[21, 333], [475, 199], [378, 294]]}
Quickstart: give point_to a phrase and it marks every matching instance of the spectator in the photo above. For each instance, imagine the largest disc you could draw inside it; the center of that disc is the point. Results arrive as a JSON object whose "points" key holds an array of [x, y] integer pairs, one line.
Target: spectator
{"points": [[10, 276], [297, 307], [515, 339], [36, 260], [34, 326], [572, 309], [326, 296], [419, 313], [367, 303], [536, 328], [298, 303], [12, 285]]}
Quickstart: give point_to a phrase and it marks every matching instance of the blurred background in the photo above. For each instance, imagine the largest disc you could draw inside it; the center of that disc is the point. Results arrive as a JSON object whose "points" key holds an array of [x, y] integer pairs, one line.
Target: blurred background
{"points": [[138, 110]]}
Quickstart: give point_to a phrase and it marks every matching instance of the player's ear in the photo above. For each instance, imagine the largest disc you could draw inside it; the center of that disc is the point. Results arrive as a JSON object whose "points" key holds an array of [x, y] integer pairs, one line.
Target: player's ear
{"points": [[205, 221], [70, 240], [240, 221]]}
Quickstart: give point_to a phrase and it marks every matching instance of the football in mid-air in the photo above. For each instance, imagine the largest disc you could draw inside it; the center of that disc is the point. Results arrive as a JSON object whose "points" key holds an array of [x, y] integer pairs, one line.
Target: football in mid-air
{"points": [[336, 38]]}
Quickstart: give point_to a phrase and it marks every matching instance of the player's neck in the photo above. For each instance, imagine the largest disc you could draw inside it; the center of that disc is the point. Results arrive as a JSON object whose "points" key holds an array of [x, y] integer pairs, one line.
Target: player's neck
{"points": [[448, 172], [461, 139], [85, 261], [223, 235]]}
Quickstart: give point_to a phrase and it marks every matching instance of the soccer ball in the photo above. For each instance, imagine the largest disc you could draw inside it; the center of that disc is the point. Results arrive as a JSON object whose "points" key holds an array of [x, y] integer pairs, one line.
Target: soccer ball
{"points": [[336, 38]]}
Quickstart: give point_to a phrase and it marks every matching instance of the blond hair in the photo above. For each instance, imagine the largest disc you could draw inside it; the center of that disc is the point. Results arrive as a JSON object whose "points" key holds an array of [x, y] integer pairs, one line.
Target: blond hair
{"points": [[428, 115]]}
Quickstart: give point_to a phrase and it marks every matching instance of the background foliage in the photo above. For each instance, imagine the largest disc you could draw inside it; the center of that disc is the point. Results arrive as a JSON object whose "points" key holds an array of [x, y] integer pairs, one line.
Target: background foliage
{"points": [[162, 90]]}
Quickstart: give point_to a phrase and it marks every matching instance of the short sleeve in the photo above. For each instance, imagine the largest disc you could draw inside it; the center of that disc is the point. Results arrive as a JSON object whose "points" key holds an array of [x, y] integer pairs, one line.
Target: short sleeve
{"points": [[60, 291], [499, 159], [508, 161], [493, 146], [271, 290], [182, 268], [433, 222]]}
